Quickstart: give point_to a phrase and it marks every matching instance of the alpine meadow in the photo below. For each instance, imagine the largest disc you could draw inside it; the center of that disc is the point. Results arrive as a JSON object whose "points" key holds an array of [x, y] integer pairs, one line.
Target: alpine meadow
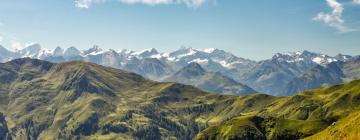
{"points": [[179, 70]]}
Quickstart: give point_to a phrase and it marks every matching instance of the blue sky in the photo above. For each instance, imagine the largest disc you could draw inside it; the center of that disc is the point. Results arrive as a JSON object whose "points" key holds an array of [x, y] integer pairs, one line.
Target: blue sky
{"points": [[254, 29]]}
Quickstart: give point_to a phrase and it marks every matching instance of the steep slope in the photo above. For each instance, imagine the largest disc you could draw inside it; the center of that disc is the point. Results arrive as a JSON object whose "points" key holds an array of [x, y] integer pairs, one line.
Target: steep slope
{"points": [[78, 100], [329, 109], [320, 76], [346, 128], [351, 69], [42, 100], [194, 74], [271, 76]]}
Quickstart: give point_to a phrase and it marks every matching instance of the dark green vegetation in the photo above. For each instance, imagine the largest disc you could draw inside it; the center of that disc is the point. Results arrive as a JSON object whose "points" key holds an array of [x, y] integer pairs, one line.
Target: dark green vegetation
{"points": [[77, 100]]}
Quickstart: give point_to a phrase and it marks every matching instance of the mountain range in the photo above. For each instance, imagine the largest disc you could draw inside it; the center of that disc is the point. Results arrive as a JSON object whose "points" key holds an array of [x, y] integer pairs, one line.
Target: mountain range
{"points": [[194, 74], [320, 76], [81, 100], [283, 74]]}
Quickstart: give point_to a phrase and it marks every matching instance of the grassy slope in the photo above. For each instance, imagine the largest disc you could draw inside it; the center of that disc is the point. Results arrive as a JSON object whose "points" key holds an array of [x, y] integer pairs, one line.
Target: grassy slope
{"points": [[41, 100], [89, 101], [298, 116], [346, 128]]}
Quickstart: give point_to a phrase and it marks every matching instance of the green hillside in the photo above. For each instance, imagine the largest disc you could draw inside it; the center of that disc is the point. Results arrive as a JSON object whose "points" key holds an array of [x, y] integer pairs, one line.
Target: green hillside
{"points": [[41, 100], [78, 100], [330, 109]]}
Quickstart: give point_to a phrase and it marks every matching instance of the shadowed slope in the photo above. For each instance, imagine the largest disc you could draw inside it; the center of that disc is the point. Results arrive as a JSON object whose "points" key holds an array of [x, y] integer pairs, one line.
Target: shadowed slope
{"points": [[194, 74]]}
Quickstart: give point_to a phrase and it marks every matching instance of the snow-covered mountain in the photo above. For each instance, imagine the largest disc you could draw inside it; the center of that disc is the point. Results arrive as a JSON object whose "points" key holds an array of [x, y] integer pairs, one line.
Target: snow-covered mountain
{"points": [[305, 56], [272, 75], [267, 76], [211, 59], [34, 50], [150, 60]]}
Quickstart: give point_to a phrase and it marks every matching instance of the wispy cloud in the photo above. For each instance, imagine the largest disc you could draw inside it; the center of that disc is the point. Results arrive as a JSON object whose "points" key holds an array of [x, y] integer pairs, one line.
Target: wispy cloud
{"points": [[334, 18], [189, 3], [86, 3]]}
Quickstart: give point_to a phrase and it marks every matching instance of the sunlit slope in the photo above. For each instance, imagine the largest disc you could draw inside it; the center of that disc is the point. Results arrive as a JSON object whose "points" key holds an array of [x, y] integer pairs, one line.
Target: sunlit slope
{"points": [[42, 100], [295, 117], [346, 128]]}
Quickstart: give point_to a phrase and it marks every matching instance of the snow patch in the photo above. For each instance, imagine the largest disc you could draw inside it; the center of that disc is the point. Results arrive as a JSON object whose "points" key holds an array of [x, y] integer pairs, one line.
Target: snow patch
{"points": [[199, 61]]}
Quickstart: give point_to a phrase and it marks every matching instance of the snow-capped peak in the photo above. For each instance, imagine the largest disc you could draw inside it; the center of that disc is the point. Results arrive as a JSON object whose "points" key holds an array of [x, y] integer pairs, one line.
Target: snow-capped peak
{"points": [[146, 53], [209, 50], [95, 50], [183, 51], [34, 50], [72, 52], [304, 56]]}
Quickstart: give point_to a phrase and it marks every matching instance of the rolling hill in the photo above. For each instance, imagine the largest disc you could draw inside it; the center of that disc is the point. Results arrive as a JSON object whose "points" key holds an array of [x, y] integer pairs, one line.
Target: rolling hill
{"points": [[326, 113], [79, 100], [43, 100]]}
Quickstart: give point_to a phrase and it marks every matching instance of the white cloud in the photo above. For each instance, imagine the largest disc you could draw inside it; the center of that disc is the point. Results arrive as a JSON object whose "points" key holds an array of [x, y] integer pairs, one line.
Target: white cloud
{"points": [[86, 3], [356, 1], [334, 19], [189, 3], [147, 2]]}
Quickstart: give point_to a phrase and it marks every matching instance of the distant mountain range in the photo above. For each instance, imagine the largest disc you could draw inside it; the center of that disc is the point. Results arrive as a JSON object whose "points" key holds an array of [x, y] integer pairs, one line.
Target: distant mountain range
{"points": [[320, 76], [194, 74], [283, 74]]}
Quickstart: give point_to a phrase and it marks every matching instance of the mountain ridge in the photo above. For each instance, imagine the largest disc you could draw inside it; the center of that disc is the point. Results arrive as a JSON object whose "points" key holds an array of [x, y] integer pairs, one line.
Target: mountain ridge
{"points": [[194, 74], [269, 76]]}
